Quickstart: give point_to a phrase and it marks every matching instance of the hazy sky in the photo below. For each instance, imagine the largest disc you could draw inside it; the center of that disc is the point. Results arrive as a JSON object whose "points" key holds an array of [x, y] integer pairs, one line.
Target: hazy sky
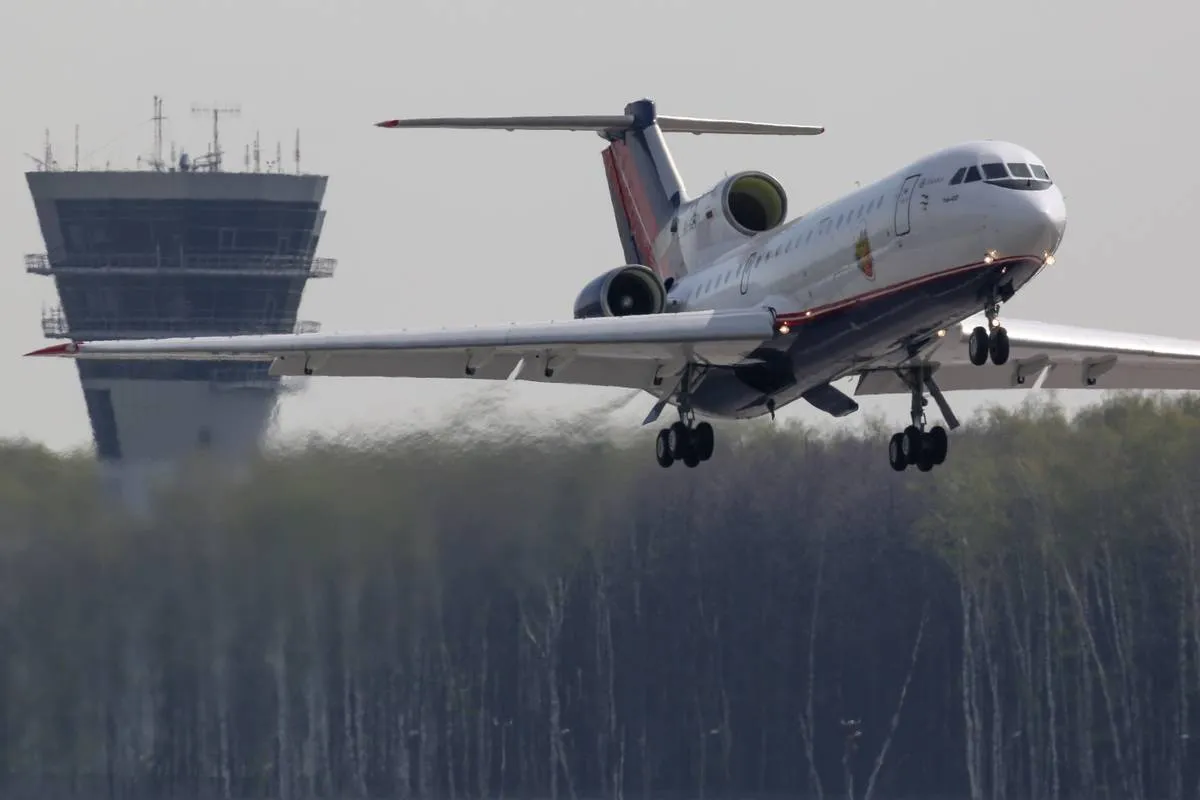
{"points": [[445, 228]]}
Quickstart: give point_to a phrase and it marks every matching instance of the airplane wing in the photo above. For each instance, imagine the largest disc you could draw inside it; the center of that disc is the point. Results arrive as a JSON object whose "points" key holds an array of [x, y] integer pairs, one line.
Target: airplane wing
{"points": [[635, 352], [1068, 357]]}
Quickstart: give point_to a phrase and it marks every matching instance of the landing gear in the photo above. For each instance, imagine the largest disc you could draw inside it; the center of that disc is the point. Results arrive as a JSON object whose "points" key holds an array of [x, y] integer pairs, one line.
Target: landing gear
{"points": [[984, 344], [686, 440], [916, 446], [689, 443]]}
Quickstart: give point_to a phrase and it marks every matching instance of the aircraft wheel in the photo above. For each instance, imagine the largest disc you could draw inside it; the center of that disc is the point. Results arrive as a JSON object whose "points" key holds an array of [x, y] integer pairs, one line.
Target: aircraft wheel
{"points": [[703, 440], [911, 444], [938, 443], [999, 346], [896, 453], [680, 440], [662, 449], [978, 346]]}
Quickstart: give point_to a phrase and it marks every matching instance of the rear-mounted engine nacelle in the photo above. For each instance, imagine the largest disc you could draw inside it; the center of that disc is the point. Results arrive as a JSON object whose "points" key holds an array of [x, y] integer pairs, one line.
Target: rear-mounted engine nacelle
{"points": [[747, 203], [624, 291]]}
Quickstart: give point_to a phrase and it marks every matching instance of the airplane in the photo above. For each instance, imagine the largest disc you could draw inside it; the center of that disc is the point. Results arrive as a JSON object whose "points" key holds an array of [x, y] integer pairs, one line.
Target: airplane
{"points": [[726, 309]]}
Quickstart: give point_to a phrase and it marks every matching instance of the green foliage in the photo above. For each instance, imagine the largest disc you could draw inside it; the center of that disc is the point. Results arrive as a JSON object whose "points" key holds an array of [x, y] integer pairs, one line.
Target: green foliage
{"points": [[440, 616]]}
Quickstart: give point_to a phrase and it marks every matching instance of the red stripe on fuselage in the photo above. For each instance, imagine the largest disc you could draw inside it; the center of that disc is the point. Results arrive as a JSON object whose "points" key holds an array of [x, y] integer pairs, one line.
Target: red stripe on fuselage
{"points": [[795, 317]]}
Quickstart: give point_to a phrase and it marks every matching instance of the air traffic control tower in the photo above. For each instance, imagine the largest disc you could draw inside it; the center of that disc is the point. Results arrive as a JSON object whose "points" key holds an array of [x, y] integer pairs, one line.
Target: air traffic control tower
{"points": [[176, 248]]}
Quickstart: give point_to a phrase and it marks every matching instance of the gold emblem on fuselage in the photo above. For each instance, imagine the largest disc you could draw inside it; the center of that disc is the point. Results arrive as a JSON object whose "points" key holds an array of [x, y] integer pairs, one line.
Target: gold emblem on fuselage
{"points": [[862, 254]]}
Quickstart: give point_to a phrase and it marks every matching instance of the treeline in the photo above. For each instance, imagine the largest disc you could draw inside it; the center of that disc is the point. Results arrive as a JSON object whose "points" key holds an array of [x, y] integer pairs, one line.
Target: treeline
{"points": [[562, 618]]}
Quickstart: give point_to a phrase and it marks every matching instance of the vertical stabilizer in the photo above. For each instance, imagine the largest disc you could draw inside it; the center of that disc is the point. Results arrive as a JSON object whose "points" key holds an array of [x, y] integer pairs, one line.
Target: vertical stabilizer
{"points": [[646, 190]]}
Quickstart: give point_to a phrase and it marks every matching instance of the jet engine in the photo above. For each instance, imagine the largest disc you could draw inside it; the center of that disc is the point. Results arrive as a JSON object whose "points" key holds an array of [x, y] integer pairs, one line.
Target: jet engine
{"points": [[737, 208], [751, 202], [624, 291]]}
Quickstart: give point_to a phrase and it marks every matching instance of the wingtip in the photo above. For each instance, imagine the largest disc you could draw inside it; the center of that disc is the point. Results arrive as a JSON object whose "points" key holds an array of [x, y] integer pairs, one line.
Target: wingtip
{"points": [[61, 349], [388, 123]]}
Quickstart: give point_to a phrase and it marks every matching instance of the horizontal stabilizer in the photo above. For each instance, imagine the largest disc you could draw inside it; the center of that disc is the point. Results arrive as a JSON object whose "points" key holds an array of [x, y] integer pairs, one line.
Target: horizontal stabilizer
{"points": [[605, 123]]}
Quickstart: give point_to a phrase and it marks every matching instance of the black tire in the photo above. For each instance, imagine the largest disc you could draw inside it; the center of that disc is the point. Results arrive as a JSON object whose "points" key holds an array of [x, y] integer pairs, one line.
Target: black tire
{"points": [[703, 440], [912, 444], [680, 440], [978, 346], [896, 453], [999, 346], [662, 449], [939, 443]]}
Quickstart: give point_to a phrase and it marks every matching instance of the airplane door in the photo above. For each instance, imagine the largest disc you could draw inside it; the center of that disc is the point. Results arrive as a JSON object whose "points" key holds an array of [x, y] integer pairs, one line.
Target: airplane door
{"points": [[903, 203], [744, 286]]}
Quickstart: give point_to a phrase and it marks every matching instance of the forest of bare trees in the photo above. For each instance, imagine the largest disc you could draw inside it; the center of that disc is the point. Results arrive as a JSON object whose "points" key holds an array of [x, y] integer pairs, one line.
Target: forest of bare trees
{"points": [[561, 618]]}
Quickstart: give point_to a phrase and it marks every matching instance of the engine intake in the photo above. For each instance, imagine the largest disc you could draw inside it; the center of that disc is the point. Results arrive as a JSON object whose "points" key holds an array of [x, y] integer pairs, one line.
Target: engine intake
{"points": [[625, 291], [753, 202]]}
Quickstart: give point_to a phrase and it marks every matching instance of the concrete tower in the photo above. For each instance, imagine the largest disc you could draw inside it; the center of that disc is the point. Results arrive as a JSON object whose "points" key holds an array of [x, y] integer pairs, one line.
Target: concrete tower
{"points": [[176, 248]]}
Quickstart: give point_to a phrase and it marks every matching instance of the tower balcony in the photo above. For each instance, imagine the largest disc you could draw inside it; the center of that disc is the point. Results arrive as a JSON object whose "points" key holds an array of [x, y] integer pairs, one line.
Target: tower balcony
{"points": [[55, 325], [229, 265]]}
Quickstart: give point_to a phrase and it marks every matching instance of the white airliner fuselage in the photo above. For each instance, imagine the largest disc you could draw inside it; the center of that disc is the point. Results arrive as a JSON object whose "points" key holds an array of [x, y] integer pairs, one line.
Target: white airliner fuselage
{"points": [[725, 309], [862, 278]]}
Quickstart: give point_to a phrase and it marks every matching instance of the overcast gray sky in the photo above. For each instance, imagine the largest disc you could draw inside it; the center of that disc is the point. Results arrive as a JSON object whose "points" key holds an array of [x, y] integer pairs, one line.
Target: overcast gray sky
{"points": [[445, 228]]}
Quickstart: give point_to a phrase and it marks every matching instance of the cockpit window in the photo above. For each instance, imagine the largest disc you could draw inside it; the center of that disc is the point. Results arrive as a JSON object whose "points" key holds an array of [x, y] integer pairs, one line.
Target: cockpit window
{"points": [[972, 175], [994, 171], [1024, 177], [958, 176]]}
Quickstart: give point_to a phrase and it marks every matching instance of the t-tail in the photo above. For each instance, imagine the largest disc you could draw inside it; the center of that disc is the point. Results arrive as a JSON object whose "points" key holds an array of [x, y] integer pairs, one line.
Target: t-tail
{"points": [[646, 189]]}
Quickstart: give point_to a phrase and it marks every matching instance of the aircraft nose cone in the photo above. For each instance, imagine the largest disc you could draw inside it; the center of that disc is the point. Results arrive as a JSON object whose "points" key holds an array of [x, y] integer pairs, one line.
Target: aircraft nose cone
{"points": [[1032, 222], [1053, 210]]}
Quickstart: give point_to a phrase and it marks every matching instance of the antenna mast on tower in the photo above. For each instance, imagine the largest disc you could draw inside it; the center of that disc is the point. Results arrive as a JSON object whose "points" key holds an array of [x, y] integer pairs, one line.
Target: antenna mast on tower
{"points": [[158, 134], [216, 111]]}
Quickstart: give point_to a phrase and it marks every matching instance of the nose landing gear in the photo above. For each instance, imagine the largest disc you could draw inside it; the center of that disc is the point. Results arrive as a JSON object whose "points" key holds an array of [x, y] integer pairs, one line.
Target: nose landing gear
{"points": [[984, 343]]}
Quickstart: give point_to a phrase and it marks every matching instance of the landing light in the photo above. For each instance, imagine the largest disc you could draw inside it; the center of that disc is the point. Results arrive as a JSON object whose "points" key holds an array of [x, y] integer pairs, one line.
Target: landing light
{"points": [[1048, 260], [941, 333], [784, 329], [989, 256]]}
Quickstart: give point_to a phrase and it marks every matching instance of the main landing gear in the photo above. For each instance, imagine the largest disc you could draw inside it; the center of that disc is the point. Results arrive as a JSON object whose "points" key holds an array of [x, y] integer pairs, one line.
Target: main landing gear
{"points": [[686, 440], [915, 445], [983, 344]]}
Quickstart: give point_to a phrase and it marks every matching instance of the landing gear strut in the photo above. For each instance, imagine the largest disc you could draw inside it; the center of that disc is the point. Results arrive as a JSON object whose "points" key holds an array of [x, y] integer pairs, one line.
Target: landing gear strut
{"points": [[984, 344], [686, 440], [915, 445]]}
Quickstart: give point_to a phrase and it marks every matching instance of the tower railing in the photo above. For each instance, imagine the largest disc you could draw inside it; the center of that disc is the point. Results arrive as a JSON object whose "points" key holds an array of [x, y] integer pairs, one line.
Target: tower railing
{"points": [[216, 264], [55, 325]]}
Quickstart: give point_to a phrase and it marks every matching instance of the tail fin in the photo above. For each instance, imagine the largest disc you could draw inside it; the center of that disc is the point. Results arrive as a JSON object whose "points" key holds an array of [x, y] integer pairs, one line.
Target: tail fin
{"points": [[645, 188], [644, 184]]}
